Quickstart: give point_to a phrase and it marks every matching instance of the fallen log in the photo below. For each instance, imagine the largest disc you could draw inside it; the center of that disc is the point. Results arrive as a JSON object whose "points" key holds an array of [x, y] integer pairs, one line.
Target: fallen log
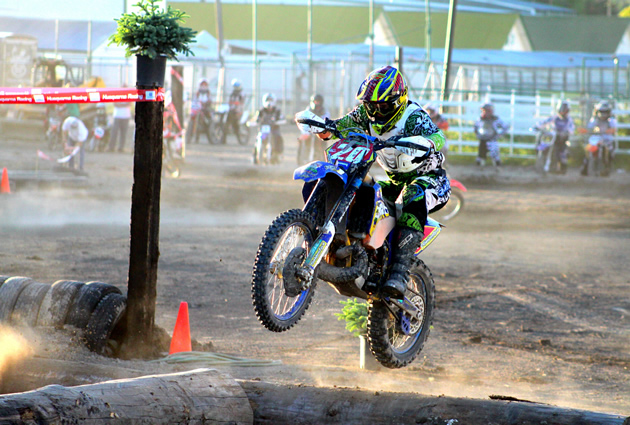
{"points": [[198, 396], [301, 405]]}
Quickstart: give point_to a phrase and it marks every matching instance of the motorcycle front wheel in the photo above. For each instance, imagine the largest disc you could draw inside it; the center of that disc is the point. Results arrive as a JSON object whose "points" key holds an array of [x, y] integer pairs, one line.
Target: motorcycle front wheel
{"points": [[395, 336], [286, 243]]}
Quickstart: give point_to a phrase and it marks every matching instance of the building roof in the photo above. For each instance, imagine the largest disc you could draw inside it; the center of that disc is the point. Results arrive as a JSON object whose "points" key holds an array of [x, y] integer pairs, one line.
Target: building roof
{"points": [[594, 34], [472, 30], [73, 35], [331, 24]]}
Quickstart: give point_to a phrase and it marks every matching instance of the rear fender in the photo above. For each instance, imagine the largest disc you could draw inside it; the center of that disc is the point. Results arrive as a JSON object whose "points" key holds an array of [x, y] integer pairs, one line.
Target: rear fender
{"points": [[457, 184]]}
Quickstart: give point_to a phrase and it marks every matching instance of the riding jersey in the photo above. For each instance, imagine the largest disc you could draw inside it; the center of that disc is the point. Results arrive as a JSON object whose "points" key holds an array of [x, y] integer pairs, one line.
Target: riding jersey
{"points": [[559, 124], [414, 122]]}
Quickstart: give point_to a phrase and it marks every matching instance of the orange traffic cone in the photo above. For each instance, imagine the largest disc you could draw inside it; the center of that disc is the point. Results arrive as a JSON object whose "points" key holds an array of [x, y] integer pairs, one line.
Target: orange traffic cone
{"points": [[181, 334], [4, 184]]}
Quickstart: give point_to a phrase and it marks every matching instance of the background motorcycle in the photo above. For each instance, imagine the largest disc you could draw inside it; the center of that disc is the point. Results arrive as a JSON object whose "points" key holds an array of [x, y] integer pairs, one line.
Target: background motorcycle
{"points": [[544, 149], [454, 205], [342, 235], [174, 147], [199, 121], [265, 152], [598, 155]]}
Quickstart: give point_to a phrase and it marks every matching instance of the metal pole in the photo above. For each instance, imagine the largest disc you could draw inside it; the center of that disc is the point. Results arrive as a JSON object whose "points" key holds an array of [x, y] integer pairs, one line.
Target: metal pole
{"points": [[371, 35], [427, 37], [448, 51], [309, 45], [89, 51], [616, 77], [219, 18], [255, 87]]}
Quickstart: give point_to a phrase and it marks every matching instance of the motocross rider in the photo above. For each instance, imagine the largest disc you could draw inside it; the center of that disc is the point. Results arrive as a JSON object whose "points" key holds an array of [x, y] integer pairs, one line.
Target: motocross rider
{"points": [[417, 182], [562, 125], [272, 116], [602, 122], [488, 129], [204, 98], [305, 140], [236, 102]]}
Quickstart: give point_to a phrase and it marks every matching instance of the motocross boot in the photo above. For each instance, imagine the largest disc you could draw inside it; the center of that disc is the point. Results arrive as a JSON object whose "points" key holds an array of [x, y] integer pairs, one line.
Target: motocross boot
{"points": [[405, 244]]}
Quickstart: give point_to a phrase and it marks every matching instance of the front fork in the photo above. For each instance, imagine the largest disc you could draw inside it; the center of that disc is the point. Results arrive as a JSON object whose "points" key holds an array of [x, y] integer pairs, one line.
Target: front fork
{"points": [[306, 271]]}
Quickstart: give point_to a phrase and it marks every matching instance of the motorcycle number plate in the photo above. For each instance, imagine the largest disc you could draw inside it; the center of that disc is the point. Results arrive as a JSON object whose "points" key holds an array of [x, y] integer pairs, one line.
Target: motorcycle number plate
{"points": [[346, 152], [265, 128]]}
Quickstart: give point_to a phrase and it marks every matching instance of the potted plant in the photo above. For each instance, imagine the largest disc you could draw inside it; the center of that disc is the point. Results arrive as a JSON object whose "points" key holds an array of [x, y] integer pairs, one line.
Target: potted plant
{"points": [[355, 314], [153, 35]]}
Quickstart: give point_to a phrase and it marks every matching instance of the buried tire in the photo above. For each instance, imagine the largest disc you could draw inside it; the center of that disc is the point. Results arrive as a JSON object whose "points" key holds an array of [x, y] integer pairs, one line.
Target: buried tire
{"points": [[56, 303], [86, 300], [9, 293], [28, 303], [103, 324]]}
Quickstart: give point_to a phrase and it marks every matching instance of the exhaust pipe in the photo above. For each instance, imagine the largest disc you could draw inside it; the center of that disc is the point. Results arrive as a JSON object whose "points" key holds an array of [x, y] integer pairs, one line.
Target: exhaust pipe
{"points": [[334, 274]]}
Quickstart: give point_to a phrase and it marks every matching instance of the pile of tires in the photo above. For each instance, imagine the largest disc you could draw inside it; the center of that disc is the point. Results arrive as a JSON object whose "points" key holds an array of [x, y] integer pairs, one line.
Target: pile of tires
{"points": [[95, 308]]}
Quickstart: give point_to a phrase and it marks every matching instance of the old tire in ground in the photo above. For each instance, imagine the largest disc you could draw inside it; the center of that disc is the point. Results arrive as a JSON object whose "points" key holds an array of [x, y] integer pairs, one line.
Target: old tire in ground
{"points": [[56, 304], [104, 320], [9, 293], [86, 300], [28, 304], [3, 278]]}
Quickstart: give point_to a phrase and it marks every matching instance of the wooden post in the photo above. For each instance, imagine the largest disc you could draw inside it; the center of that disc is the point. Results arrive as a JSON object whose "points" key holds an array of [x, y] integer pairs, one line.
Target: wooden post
{"points": [[145, 226]]}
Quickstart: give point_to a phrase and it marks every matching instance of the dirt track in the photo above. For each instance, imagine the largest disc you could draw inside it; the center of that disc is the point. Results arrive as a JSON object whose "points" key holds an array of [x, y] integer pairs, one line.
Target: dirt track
{"points": [[532, 279]]}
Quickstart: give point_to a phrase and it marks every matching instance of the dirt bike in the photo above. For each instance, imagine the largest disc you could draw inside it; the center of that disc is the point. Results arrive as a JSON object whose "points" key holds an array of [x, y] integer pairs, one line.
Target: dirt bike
{"points": [[200, 121], [343, 236], [454, 205], [265, 152], [598, 155], [544, 149]]}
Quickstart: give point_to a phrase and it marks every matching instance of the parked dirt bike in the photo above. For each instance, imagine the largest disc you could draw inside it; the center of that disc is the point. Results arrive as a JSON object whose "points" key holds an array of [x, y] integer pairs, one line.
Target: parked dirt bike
{"points": [[198, 124], [598, 160], [265, 152], [242, 127], [454, 205], [99, 131], [343, 236]]}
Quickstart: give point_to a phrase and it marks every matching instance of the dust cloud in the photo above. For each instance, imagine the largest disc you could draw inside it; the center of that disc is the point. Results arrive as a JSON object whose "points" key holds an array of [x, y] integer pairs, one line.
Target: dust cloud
{"points": [[13, 348]]}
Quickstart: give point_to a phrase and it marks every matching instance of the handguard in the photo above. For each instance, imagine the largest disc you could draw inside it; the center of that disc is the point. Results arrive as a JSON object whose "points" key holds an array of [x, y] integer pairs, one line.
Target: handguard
{"points": [[311, 128]]}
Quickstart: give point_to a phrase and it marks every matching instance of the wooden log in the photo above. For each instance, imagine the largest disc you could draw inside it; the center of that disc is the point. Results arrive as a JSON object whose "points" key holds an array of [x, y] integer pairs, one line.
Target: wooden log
{"points": [[194, 397], [301, 405]]}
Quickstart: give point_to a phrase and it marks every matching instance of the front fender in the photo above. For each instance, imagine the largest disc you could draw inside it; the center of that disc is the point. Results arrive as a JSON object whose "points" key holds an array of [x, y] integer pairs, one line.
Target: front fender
{"points": [[458, 184], [316, 170]]}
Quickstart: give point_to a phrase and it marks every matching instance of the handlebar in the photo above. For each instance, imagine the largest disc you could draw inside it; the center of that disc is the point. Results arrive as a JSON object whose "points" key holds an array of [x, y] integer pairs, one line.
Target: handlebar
{"points": [[329, 125]]}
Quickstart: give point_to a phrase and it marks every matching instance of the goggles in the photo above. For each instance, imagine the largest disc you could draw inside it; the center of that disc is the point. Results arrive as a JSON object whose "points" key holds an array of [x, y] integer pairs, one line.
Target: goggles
{"points": [[380, 109]]}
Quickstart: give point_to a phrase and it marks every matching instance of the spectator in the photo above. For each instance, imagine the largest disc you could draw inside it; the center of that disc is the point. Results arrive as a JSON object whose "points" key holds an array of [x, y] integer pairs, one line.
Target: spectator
{"points": [[488, 129], [122, 116], [75, 134]]}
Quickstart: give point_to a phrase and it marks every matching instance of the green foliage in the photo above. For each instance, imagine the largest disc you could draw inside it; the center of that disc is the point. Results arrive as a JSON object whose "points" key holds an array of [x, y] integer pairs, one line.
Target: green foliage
{"points": [[153, 32], [355, 314]]}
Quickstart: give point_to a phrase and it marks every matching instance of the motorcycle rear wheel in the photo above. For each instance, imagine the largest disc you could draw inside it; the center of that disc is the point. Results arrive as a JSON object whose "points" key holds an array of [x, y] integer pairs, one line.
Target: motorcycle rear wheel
{"points": [[395, 337], [452, 208], [276, 310]]}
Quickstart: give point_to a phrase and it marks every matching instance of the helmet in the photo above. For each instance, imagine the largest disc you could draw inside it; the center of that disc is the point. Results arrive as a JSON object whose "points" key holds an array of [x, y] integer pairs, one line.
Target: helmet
{"points": [[384, 96], [563, 107], [236, 85], [317, 100], [487, 110], [269, 100], [603, 109]]}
